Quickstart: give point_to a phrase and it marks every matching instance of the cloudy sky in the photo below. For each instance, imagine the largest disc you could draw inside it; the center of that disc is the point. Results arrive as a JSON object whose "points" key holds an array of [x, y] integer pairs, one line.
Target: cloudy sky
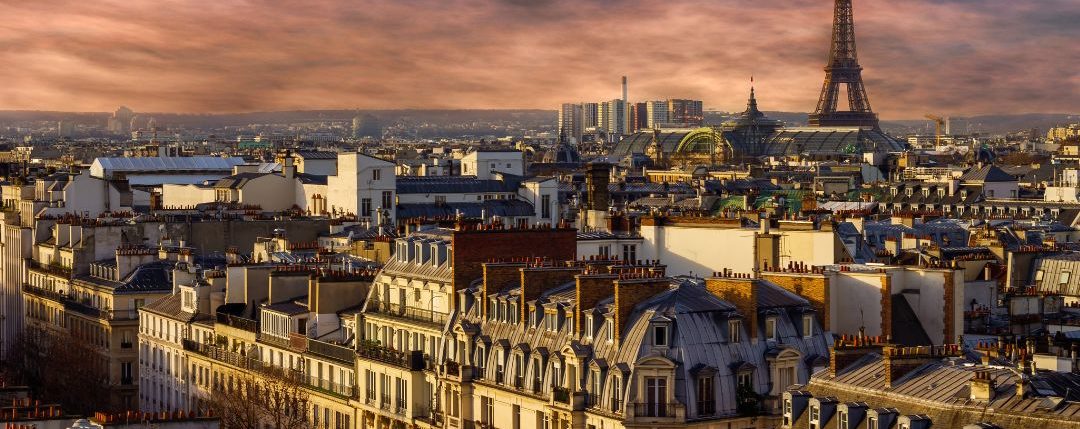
{"points": [[950, 57]]}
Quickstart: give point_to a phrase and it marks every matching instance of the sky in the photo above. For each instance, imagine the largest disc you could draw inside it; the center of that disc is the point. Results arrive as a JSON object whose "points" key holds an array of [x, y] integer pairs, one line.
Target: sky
{"points": [[949, 57]]}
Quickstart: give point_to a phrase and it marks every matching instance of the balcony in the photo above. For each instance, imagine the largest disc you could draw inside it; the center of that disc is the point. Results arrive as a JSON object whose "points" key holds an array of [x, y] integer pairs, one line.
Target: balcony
{"points": [[654, 409], [241, 323], [560, 395], [409, 313], [238, 360], [413, 361], [83, 308], [51, 268], [332, 351]]}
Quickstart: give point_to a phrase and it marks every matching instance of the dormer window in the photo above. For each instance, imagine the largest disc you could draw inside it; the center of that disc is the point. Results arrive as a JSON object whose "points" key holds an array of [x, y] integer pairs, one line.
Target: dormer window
{"points": [[926, 192], [808, 326], [842, 419], [770, 328], [815, 417], [660, 335], [734, 331], [588, 326], [551, 321], [611, 330]]}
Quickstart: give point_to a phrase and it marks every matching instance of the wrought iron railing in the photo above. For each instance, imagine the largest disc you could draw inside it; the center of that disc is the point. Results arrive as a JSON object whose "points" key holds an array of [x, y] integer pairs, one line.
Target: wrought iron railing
{"points": [[654, 409], [238, 322], [410, 313]]}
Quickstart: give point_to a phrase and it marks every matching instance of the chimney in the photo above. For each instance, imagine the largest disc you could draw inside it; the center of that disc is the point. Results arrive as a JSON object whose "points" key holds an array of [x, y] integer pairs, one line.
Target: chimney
{"points": [[739, 291], [982, 386], [899, 360], [631, 292], [535, 281], [590, 290], [498, 275], [848, 349]]}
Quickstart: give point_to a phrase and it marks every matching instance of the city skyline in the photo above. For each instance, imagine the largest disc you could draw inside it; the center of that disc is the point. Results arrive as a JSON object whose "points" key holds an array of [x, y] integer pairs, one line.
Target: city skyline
{"points": [[955, 57]]}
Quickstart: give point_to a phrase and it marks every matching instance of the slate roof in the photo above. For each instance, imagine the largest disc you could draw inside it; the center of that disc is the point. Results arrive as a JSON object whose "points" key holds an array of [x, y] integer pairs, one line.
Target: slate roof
{"points": [[989, 173], [504, 208], [455, 185]]}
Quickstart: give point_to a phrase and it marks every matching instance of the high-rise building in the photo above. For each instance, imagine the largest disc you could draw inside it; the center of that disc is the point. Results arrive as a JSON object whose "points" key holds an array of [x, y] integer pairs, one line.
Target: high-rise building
{"points": [[683, 111], [639, 116], [589, 115], [657, 114], [570, 121], [616, 117]]}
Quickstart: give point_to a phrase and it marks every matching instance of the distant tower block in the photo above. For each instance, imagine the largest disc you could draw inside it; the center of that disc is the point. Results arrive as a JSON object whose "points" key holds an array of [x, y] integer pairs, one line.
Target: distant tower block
{"points": [[843, 68]]}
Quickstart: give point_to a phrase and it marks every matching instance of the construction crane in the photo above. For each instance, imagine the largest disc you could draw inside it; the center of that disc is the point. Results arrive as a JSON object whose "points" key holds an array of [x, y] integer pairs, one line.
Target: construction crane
{"points": [[939, 123]]}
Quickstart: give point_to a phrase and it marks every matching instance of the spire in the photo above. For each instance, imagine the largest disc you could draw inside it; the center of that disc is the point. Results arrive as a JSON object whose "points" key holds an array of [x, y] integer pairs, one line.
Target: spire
{"points": [[751, 105]]}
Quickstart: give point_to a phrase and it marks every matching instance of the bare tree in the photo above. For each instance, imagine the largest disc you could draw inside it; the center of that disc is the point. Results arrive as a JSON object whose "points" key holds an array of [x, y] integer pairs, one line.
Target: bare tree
{"points": [[257, 400], [60, 368]]}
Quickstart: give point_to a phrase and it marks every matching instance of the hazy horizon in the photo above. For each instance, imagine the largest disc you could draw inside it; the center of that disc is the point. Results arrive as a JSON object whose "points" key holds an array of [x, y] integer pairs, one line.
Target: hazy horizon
{"points": [[951, 57]]}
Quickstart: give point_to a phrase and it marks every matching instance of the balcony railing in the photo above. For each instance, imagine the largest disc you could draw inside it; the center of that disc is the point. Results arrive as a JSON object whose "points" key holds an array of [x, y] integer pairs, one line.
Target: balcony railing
{"points": [[410, 313], [332, 351], [236, 359], [413, 361], [74, 305], [53, 268], [560, 394], [654, 409], [238, 322]]}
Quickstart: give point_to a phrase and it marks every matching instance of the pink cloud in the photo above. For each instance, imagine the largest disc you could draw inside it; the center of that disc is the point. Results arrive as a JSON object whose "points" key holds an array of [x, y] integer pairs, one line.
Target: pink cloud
{"points": [[952, 57]]}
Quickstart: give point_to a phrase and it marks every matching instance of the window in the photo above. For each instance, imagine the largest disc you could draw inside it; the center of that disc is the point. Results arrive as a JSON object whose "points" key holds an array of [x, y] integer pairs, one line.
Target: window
{"points": [[616, 393], [770, 328], [842, 418], [610, 331], [815, 415], [365, 207], [604, 252], [660, 336], [376, 174], [808, 326], [746, 379], [388, 199], [487, 410], [629, 253], [545, 207], [734, 330], [655, 397], [1064, 277], [706, 396], [787, 412], [871, 423]]}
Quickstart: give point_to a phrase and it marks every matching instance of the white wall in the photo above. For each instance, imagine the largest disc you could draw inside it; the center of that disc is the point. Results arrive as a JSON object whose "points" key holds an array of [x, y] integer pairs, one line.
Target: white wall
{"points": [[356, 181], [481, 164], [700, 251], [850, 292], [185, 195], [705, 249]]}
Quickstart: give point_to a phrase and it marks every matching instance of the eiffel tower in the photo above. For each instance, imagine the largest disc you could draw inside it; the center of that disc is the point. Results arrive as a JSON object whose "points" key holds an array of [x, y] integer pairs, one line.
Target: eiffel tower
{"points": [[843, 68]]}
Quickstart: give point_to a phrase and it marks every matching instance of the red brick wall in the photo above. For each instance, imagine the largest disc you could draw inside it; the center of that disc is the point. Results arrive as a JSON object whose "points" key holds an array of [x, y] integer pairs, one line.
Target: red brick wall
{"points": [[496, 276], [629, 293], [814, 287], [473, 247], [591, 289], [535, 281], [742, 293]]}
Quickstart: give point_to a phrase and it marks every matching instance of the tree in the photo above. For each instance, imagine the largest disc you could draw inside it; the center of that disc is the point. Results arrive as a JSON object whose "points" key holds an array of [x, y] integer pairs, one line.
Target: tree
{"points": [[60, 368], [256, 400]]}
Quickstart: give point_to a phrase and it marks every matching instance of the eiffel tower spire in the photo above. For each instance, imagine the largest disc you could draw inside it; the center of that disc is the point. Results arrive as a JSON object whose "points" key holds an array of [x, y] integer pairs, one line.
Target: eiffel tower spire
{"points": [[843, 69]]}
